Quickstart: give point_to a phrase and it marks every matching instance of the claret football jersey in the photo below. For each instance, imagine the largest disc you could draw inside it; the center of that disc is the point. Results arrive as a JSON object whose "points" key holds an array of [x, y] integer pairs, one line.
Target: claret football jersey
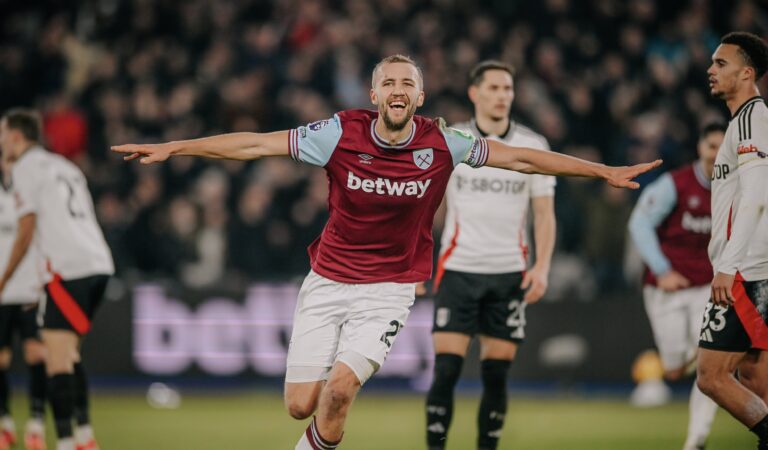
{"points": [[382, 197]]}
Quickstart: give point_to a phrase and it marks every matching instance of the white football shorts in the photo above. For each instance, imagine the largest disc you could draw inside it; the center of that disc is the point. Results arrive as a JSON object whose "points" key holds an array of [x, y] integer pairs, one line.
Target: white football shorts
{"points": [[676, 319], [333, 317]]}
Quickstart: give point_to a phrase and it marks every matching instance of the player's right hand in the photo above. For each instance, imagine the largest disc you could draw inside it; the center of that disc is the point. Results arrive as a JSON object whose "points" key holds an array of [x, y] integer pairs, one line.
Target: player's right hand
{"points": [[672, 281], [722, 287], [535, 284], [148, 153]]}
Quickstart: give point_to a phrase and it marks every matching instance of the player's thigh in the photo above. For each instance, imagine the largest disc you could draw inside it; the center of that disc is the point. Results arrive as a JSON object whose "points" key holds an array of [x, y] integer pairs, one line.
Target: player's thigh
{"points": [[450, 342], [301, 398], [61, 350], [457, 303], [320, 310], [502, 309], [495, 348], [376, 316], [717, 363], [753, 372], [668, 316]]}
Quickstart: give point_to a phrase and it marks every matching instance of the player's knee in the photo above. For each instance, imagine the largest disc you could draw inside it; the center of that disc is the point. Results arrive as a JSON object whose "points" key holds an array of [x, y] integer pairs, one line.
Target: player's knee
{"points": [[338, 397], [34, 352], [447, 370], [494, 375], [709, 382], [57, 363], [300, 408], [362, 367]]}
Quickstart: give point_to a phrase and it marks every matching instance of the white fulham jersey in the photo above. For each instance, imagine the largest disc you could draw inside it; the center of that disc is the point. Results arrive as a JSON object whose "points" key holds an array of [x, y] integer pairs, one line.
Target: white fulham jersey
{"points": [[739, 195], [486, 219], [54, 189], [26, 285]]}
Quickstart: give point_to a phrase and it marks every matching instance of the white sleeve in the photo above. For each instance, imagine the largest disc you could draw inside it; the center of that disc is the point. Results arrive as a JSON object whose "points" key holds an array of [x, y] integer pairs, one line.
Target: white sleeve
{"points": [[26, 188], [753, 193]]}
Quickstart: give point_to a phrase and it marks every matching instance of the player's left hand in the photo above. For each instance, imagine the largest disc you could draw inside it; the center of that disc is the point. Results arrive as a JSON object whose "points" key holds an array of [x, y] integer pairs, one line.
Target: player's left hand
{"points": [[621, 177], [535, 281], [722, 287]]}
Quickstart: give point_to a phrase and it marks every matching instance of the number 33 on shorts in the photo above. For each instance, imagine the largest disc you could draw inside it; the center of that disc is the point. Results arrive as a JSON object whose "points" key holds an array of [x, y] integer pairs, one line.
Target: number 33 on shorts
{"points": [[714, 321]]}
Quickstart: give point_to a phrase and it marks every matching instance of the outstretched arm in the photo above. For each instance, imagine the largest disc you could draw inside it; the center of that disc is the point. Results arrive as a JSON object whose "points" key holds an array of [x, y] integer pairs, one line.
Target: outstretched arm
{"points": [[242, 146], [528, 160]]}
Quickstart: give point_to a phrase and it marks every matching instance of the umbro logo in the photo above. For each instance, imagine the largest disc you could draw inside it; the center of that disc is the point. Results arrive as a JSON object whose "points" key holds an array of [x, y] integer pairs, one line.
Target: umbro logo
{"points": [[365, 158]]}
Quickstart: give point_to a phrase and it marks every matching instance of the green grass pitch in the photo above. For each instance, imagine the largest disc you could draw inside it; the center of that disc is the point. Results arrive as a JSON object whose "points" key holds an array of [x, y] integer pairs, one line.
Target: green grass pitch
{"points": [[257, 421]]}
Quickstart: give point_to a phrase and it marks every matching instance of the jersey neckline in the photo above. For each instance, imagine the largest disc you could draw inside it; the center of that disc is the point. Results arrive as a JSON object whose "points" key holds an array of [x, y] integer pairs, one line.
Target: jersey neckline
{"points": [[381, 142], [745, 104], [506, 135]]}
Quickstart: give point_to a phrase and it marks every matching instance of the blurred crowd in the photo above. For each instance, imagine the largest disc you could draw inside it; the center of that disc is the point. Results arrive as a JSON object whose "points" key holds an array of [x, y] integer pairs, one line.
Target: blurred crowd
{"points": [[618, 81]]}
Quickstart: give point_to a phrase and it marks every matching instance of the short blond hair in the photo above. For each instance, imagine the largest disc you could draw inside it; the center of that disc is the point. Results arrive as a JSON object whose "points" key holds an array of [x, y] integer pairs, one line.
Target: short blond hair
{"points": [[396, 59]]}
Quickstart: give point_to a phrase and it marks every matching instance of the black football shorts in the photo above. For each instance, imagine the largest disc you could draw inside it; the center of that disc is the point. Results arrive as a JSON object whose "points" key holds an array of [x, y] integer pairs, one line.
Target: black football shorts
{"points": [[740, 327], [71, 304], [491, 305], [21, 319]]}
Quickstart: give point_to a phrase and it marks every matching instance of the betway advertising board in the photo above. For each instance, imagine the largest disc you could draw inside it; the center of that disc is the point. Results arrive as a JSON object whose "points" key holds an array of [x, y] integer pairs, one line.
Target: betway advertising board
{"points": [[157, 330]]}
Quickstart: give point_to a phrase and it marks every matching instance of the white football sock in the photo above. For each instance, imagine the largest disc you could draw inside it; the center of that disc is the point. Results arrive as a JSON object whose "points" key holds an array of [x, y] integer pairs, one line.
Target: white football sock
{"points": [[303, 443], [83, 433], [35, 426], [701, 410], [65, 444], [6, 422]]}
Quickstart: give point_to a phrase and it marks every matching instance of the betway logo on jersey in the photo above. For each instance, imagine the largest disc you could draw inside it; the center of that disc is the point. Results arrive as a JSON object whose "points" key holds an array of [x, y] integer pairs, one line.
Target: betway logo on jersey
{"points": [[702, 224], [385, 186]]}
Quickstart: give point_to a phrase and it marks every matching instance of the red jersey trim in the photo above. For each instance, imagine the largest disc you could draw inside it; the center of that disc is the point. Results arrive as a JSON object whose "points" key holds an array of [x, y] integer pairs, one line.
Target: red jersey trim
{"points": [[444, 257], [521, 240]]}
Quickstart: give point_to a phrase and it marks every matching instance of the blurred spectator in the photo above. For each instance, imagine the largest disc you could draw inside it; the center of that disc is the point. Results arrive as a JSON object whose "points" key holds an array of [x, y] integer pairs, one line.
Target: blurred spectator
{"points": [[66, 129]]}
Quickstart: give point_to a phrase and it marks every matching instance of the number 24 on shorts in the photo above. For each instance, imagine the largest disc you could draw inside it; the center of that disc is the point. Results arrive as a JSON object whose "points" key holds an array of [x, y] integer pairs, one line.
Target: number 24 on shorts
{"points": [[390, 334]]}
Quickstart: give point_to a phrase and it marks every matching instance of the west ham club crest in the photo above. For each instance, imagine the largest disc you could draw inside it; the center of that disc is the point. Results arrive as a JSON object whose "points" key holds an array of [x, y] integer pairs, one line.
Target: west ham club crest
{"points": [[423, 158]]}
